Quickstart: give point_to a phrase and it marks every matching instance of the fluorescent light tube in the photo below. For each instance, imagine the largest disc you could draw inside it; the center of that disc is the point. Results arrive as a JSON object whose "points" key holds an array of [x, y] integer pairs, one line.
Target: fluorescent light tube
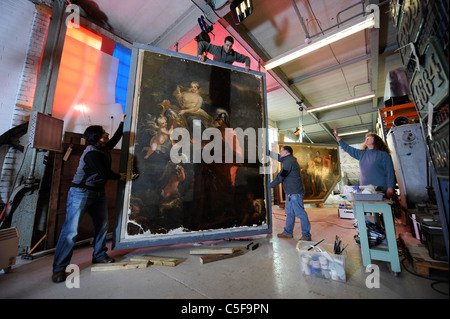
{"points": [[343, 102], [367, 22], [353, 132]]}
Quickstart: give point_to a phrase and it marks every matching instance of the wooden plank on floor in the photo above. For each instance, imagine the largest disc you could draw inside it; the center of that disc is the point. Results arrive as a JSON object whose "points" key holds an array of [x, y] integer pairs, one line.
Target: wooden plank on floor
{"points": [[212, 251], [211, 258], [120, 266], [157, 260]]}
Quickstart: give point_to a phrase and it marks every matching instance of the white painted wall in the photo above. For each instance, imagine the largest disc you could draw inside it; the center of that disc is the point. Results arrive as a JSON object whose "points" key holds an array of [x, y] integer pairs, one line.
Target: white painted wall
{"points": [[22, 35], [16, 18]]}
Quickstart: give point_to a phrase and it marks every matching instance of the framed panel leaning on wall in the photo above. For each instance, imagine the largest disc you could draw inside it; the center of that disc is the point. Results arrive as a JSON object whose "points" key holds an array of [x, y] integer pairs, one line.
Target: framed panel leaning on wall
{"points": [[193, 149], [319, 167]]}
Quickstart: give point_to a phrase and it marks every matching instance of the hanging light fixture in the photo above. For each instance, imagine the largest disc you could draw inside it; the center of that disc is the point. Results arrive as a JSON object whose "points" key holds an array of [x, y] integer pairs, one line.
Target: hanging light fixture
{"points": [[366, 22], [353, 132], [359, 98], [240, 10]]}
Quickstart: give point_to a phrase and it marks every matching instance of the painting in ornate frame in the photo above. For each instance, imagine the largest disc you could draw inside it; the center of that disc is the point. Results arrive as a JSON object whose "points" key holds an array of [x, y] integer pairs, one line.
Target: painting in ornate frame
{"points": [[319, 167], [173, 193]]}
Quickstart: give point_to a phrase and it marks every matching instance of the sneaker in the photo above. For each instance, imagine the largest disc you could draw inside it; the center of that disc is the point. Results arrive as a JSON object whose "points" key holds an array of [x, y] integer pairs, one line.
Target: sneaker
{"points": [[305, 238], [283, 235]]}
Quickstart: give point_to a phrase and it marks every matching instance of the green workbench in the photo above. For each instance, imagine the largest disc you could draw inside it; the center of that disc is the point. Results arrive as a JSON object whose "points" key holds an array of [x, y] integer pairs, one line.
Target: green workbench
{"points": [[383, 253]]}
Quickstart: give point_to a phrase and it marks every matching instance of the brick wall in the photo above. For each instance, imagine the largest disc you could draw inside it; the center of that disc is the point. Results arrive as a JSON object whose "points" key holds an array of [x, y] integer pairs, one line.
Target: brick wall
{"points": [[22, 35]]}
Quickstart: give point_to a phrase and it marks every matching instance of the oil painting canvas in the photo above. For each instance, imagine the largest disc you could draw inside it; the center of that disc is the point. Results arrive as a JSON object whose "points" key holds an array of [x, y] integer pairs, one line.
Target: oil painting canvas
{"points": [[190, 156], [320, 170]]}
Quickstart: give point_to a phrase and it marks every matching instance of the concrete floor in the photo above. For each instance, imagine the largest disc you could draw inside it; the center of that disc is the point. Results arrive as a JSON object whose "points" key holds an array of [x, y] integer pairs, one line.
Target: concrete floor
{"points": [[272, 271]]}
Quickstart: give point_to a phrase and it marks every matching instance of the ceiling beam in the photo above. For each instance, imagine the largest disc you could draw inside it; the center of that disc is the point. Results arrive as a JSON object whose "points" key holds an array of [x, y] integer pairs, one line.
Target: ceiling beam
{"points": [[253, 46], [374, 49], [342, 113], [177, 31], [249, 42], [326, 117], [330, 69], [374, 45]]}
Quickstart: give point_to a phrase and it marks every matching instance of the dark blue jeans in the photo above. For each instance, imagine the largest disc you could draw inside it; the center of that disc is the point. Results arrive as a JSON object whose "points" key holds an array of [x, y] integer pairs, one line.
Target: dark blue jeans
{"points": [[295, 208], [79, 201]]}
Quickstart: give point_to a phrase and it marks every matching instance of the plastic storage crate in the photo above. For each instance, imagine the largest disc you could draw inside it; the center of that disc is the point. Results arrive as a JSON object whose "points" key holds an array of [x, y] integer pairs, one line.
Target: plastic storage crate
{"points": [[435, 240], [368, 197], [320, 262]]}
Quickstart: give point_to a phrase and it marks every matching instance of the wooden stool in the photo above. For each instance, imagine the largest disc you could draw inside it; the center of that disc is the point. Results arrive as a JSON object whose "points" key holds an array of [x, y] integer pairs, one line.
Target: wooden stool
{"points": [[377, 253]]}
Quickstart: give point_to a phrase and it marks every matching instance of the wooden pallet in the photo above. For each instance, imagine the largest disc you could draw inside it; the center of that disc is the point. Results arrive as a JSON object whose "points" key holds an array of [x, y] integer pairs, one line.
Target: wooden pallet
{"points": [[418, 254]]}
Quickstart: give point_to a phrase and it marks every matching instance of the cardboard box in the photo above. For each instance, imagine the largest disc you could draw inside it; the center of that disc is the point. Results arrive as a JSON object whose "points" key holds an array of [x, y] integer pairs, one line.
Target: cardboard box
{"points": [[346, 213], [320, 261]]}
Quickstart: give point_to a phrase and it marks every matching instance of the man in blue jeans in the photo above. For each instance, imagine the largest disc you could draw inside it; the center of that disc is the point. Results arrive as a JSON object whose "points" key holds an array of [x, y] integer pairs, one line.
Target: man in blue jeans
{"points": [[291, 179], [87, 194]]}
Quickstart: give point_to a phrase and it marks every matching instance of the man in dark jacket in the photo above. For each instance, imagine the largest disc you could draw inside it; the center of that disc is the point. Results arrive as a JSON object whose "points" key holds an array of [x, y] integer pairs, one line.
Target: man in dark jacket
{"points": [[291, 179], [225, 53], [87, 194]]}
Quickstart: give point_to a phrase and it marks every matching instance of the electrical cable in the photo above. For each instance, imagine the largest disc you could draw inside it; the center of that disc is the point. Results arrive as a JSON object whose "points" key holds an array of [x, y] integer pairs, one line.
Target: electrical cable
{"points": [[315, 221], [436, 281]]}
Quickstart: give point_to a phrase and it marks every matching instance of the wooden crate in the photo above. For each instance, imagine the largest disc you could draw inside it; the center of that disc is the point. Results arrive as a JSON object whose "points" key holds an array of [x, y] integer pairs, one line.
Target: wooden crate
{"points": [[63, 171]]}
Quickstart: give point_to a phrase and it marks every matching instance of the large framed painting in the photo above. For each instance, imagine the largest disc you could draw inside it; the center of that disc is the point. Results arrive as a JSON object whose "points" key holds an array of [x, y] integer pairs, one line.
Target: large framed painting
{"points": [[319, 167], [194, 133]]}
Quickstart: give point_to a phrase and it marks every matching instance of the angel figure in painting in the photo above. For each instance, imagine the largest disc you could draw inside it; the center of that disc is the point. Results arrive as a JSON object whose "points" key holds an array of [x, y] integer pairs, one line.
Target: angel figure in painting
{"points": [[172, 114], [161, 137], [191, 102]]}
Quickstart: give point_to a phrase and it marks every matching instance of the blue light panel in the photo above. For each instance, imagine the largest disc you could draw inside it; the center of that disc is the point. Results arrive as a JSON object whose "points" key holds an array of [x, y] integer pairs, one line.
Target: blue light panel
{"points": [[123, 73]]}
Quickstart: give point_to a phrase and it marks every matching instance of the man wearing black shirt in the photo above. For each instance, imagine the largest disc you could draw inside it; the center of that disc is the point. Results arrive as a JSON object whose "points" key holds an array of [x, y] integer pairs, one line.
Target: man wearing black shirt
{"points": [[225, 53], [291, 180], [87, 194]]}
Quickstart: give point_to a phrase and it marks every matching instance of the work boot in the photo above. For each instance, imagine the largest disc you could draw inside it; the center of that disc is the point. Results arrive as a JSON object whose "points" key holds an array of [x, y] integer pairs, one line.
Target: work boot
{"points": [[283, 235], [59, 276], [106, 260], [305, 238]]}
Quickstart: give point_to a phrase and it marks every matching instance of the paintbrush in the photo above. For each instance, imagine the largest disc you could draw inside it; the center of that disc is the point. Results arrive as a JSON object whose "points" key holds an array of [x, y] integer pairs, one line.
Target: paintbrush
{"points": [[315, 244], [343, 249]]}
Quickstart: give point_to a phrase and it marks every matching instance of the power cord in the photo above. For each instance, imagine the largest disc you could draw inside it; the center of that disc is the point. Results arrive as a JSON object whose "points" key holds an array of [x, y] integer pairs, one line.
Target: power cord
{"points": [[313, 221], [435, 280]]}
